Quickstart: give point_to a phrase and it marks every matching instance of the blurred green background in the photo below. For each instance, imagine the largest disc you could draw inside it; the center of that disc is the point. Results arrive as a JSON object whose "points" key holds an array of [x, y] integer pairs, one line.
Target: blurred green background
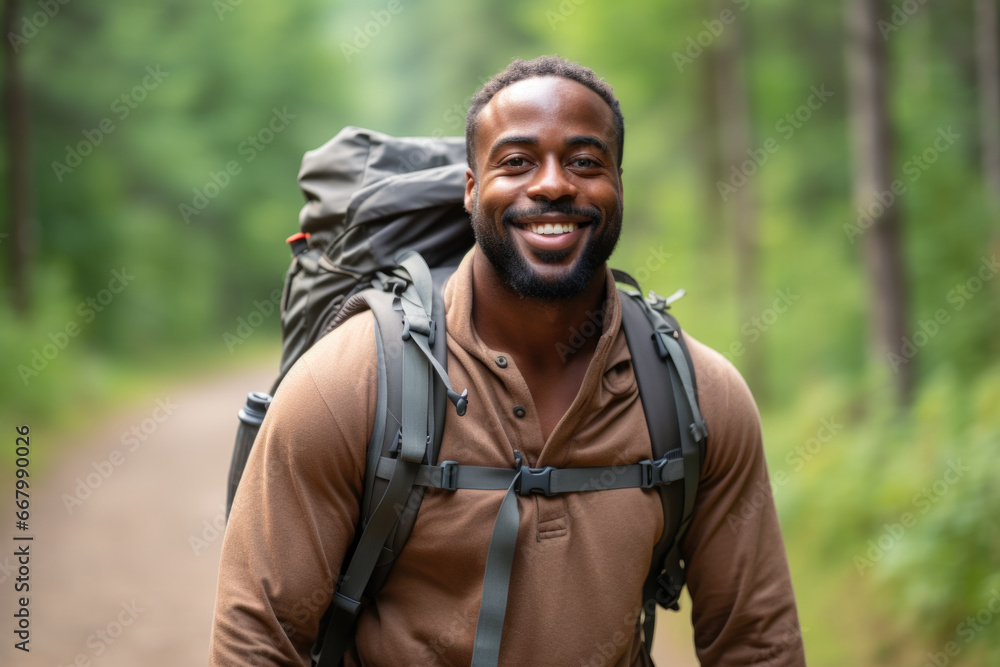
{"points": [[744, 160]]}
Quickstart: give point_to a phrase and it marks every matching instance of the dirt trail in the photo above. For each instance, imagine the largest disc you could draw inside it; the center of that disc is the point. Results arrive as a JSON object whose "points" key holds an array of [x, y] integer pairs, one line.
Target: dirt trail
{"points": [[126, 548]]}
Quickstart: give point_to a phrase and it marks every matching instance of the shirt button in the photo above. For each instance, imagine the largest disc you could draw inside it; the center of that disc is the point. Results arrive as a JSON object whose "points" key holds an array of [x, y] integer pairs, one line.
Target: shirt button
{"points": [[519, 411], [502, 362]]}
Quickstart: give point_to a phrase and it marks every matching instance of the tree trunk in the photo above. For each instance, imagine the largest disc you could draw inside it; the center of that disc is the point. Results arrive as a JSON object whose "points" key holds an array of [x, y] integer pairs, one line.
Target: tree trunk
{"points": [[872, 149], [18, 167], [988, 71], [735, 129]]}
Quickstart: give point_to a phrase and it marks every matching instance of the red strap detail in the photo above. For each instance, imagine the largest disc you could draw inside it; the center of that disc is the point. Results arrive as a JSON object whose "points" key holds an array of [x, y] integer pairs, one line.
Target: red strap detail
{"points": [[295, 237]]}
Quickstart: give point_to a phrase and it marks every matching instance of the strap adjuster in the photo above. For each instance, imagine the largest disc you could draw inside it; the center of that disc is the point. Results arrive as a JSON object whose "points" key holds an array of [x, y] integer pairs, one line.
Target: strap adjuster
{"points": [[349, 605], [652, 472], [420, 325], [535, 480], [668, 593], [699, 430], [449, 475]]}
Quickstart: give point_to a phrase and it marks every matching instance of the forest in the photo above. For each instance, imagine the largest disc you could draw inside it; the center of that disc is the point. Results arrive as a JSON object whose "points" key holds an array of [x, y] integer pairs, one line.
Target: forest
{"points": [[823, 179]]}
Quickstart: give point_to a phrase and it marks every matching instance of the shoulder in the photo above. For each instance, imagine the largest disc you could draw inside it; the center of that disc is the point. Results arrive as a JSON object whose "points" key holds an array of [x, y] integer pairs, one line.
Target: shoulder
{"points": [[330, 391], [729, 410]]}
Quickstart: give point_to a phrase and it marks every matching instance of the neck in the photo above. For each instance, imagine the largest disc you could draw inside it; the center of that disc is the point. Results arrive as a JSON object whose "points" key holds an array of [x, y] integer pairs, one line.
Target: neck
{"points": [[545, 334]]}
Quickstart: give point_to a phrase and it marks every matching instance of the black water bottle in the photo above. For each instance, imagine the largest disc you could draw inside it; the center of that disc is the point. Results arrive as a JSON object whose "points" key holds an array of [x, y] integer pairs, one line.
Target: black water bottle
{"points": [[251, 415]]}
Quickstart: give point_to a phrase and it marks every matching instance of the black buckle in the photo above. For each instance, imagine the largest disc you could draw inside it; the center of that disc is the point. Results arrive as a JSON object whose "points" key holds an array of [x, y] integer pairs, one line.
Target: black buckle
{"points": [[449, 475], [427, 327], [535, 480], [652, 472], [668, 593]]}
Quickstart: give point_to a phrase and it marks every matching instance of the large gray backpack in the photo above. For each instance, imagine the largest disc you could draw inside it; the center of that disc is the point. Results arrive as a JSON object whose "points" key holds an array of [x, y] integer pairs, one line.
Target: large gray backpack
{"points": [[382, 229]]}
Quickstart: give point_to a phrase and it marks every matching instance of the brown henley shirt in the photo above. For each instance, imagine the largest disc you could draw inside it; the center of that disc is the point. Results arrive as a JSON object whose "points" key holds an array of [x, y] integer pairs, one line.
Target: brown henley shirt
{"points": [[581, 559]]}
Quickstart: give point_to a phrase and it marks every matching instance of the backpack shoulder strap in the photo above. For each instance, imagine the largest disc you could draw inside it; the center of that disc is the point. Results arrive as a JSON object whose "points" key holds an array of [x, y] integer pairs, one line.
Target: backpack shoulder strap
{"points": [[655, 341], [410, 410]]}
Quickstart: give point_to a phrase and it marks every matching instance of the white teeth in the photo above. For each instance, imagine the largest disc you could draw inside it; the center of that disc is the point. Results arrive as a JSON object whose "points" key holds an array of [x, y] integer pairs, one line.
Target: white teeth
{"points": [[553, 229]]}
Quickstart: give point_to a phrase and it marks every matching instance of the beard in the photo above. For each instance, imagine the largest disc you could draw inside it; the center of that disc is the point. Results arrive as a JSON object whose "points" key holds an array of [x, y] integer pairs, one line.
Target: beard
{"points": [[502, 252]]}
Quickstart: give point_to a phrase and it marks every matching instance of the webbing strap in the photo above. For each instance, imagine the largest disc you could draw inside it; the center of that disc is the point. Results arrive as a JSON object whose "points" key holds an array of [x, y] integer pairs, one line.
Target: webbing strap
{"points": [[416, 301], [691, 453], [523, 481], [698, 430], [549, 481], [496, 580], [347, 597]]}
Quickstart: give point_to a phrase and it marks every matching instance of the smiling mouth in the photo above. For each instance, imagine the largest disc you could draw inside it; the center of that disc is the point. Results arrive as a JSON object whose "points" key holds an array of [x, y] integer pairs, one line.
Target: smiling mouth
{"points": [[552, 228]]}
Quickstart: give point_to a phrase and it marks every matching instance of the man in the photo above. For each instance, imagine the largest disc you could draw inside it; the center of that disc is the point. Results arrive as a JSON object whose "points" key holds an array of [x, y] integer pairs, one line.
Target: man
{"points": [[545, 141]]}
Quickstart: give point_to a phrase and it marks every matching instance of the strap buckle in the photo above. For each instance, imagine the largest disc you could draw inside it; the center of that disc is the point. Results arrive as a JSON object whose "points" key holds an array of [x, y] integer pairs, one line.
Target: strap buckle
{"points": [[349, 605], [421, 325], [651, 472], [668, 592], [449, 475], [393, 284], [535, 480], [699, 430]]}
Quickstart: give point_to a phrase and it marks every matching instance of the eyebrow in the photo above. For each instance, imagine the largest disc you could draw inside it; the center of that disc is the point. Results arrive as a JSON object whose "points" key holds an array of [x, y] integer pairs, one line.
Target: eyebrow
{"points": [[581, 140]]}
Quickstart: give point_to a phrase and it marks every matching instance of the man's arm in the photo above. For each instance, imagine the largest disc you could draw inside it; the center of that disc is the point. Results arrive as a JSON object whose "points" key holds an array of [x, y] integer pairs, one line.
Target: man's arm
{"points": [[297, 506], [743, 605]]}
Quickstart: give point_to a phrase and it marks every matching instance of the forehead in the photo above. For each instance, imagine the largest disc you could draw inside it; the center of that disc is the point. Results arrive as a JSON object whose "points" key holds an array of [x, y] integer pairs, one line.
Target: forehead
{"points": [[544, 107]]}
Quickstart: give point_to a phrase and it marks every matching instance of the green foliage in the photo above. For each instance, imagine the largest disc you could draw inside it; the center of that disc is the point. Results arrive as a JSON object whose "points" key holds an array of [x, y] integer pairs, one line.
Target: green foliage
{"points": [[229, 67], [900, 510]]}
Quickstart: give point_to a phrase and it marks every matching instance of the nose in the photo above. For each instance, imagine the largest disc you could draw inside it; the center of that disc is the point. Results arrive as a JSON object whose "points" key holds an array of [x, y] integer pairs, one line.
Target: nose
{"points": [[551, 182]]}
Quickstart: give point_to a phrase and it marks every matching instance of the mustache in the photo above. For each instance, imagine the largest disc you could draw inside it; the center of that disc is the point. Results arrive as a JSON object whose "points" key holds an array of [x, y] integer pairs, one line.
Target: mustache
{"points": [[510, 216]]}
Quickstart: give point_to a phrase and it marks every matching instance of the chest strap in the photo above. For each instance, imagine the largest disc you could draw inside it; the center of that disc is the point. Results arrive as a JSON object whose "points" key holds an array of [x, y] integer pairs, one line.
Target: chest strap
{"points": [[549, 481], [522, 480]]}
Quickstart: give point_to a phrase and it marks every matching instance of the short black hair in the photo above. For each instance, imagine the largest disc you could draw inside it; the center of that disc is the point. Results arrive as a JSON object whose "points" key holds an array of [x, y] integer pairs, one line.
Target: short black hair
{"points": [[520, 70]]}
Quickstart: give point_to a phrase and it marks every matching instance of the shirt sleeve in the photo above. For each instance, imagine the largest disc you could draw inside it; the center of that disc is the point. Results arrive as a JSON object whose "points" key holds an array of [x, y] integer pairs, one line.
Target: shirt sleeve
{"points": [[294, 514], [743, 608]]}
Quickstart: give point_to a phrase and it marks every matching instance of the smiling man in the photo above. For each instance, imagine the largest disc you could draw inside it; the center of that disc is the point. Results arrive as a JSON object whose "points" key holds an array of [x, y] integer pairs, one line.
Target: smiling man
{"points": [[544, 191]]}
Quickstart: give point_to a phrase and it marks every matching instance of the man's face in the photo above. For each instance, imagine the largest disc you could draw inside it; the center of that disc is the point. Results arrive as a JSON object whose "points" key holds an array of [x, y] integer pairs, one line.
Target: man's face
{"points": [[546, 197]]}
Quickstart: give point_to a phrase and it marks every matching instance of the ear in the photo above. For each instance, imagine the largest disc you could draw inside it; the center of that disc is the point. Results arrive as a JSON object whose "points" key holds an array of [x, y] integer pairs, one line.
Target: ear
{"points": [[470, 185]]}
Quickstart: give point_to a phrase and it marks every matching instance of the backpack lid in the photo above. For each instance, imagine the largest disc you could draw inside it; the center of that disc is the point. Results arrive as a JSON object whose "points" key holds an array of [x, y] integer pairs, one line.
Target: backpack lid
{"points": [[369, 195]]}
